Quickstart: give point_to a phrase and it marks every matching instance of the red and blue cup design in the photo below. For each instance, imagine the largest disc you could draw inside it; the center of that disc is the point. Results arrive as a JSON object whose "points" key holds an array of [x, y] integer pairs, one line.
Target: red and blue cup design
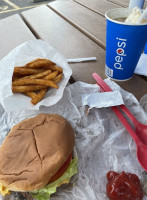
{"points": [[124, 45]]}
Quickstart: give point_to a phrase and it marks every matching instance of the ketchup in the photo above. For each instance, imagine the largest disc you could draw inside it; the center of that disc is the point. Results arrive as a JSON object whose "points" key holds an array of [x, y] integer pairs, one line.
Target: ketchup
{"points": [[123, 186]]}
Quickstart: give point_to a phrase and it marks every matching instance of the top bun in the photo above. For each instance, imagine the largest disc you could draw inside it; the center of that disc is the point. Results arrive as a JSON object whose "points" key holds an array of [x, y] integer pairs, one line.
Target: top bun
{"points": [[34, 151]]}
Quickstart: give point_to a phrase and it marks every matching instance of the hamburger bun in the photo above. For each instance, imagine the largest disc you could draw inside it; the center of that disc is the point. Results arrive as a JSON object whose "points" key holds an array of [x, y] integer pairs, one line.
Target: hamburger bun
{"points": [[34, 151]]}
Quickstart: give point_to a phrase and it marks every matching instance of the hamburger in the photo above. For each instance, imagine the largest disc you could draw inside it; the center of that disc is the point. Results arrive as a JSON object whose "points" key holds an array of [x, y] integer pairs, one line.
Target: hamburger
{"points": [[37, 156]]}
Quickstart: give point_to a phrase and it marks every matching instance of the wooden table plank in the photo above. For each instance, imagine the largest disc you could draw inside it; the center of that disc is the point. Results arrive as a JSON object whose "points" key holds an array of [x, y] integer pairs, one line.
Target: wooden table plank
{"points": [[99, 6], [68, 40], [13, 32], [90, 23], [125, 3], [136, 85]]}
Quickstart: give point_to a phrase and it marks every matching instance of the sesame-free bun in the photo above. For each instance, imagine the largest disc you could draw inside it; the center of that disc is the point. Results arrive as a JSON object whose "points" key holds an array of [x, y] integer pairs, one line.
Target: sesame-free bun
{"points": [[34, 151]]}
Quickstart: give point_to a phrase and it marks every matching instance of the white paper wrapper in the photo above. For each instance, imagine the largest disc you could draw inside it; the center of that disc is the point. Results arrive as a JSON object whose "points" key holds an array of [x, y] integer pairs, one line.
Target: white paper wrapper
{"points": [[74, 60], [141, 68], [102, 142], [20, 56], [97, 100]]}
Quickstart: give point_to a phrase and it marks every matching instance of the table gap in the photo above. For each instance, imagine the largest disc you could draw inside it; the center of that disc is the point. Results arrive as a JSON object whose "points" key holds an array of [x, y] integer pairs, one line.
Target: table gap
{"points": [[30, 27], [117, 3], [89, 8]]}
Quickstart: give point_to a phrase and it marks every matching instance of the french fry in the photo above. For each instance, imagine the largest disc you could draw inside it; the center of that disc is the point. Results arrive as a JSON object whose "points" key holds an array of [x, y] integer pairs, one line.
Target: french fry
{"points": [[55, 68], [58, 78], [27, 88], [36, 76], [43, 63], [15, 78], [39, 96], [24, 71], [33, 61], [43, 82], [42, 92], [51, 76], [31, 94]]}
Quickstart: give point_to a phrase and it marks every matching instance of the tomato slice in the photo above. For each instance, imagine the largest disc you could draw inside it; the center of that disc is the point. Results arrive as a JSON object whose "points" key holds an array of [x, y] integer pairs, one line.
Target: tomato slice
{"points": [[61, 171]]}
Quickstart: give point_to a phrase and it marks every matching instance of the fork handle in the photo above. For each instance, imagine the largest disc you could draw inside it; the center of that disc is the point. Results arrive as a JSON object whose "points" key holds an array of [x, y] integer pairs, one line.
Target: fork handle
{"points": [[129, 114], [126, 124]]}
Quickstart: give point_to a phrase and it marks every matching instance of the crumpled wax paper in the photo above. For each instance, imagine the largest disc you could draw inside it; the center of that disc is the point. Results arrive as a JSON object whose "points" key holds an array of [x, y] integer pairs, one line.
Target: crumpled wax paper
{"points": [[102, 142], [20, 56], [143, 102]]}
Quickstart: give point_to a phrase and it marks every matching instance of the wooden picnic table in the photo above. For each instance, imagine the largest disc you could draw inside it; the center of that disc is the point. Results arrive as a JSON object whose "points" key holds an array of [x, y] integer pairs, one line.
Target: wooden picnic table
{"points": [[76, 28]]}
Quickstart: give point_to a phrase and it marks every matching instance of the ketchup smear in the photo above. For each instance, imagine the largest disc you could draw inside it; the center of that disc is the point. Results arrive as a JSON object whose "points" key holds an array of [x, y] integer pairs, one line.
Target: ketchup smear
{"points": [[123, 186]]}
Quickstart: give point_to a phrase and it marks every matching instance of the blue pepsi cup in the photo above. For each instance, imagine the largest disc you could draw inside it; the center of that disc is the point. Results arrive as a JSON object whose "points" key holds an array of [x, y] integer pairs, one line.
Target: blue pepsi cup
{"points": [[124, 44], [145, 49]]}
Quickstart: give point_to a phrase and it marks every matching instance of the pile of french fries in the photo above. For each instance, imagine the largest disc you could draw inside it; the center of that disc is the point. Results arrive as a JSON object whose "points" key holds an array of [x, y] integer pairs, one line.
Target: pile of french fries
{"points": [[35, 78]]}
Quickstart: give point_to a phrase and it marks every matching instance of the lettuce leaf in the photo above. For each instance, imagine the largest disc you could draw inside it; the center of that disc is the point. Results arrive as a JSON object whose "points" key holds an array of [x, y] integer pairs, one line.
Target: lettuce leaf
{"points": [[45, 192]]}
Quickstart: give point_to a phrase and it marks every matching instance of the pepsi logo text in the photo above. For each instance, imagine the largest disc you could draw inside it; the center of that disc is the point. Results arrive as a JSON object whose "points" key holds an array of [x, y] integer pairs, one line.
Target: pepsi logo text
{"points": [[120, 51]]}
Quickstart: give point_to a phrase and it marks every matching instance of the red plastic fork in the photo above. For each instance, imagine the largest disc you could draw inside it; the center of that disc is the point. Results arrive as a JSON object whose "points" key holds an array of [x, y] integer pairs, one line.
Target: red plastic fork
{"points": [[140, 128], [141, 147]]}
